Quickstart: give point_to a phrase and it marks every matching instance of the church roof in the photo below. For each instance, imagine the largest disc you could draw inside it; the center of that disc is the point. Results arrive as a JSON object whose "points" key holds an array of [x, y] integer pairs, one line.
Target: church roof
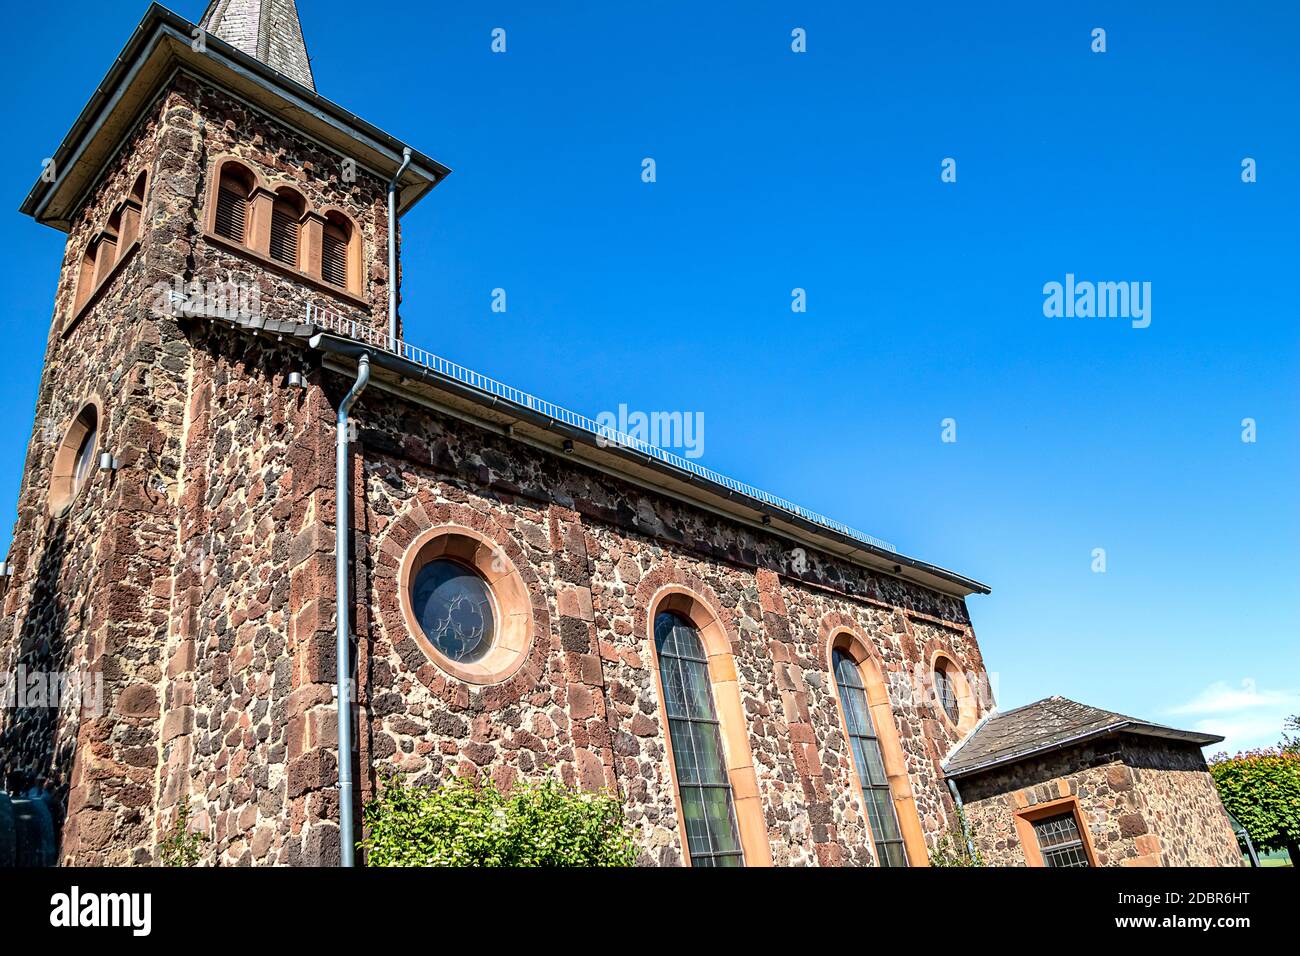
{"points": [[1050, 724], [267, 29]]}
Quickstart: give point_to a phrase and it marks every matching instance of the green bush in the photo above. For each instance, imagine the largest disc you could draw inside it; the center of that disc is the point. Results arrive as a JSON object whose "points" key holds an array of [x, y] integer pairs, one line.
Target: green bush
{"points": [[182, 846], [467, 823], [952, 848], [1261, 788]]}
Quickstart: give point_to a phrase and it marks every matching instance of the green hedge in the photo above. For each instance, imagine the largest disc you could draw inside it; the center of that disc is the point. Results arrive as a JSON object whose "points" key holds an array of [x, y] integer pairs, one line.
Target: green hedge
{"points": [[468, 823], [1261, 788]]}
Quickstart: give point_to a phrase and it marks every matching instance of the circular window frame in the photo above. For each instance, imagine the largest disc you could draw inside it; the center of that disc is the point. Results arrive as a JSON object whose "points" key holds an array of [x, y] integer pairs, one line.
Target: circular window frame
{"points": [[511, 604], [966, 710], [63, 491]]}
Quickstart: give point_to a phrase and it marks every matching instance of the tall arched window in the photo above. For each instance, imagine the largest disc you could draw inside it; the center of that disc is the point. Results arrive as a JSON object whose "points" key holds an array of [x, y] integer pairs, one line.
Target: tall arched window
{"points": [[231, 217], [703, 783], [870, 762], [286, 226]]}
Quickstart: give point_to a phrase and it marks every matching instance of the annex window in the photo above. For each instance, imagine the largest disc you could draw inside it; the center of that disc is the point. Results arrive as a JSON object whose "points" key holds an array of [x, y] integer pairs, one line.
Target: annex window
{"points": [[703, 782], [231, 217], [1060, 841], [336, 243], [286, 224], [870, 762]]}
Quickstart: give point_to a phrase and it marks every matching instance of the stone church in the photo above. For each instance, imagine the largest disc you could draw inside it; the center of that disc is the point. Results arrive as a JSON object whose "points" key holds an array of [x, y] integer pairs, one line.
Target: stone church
{"points": [[240, 468]]}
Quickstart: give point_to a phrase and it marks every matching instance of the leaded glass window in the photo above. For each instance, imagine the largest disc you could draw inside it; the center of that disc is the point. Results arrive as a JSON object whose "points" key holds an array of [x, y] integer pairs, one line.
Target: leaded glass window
{"points": [[454, 608], [870, 763], [1060, 841], [702, 781], [946, 693]]}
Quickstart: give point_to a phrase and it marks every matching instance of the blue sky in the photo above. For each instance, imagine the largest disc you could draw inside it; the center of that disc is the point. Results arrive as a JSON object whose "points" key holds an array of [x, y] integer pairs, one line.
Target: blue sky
{"points": [[821, 171]]}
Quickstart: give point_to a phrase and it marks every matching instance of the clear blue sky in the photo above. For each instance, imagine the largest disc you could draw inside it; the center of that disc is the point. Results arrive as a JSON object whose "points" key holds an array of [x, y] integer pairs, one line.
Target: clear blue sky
{"points": [[822, 171]]}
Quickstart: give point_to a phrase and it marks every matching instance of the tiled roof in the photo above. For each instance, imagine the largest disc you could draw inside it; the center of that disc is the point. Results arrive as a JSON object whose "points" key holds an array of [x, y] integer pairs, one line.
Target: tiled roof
{"points": [[1049, 724]]}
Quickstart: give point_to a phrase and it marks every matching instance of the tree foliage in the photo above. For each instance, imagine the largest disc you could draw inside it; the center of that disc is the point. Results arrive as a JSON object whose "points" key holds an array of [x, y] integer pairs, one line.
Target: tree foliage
{"points": [[1261, 788], [470, 823]]}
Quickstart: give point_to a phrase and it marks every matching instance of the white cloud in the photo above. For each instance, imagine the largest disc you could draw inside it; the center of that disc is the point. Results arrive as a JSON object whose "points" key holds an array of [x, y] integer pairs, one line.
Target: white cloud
{"points": [[1246, 715]]}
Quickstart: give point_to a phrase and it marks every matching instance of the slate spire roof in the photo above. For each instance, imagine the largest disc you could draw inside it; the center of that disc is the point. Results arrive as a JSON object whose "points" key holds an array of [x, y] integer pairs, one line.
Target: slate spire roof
{"points": [[1050, 724], [267, 29]]}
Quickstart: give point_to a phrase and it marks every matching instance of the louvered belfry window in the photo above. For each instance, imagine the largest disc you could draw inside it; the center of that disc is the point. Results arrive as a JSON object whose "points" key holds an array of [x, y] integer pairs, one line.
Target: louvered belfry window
{"points": [[232, 210], [334, 256], [284, 234]]}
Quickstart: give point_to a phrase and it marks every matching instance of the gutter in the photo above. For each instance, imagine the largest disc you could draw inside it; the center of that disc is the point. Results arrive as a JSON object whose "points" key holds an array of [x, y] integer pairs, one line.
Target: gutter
{"points": [[413, 371], [342, 605]]}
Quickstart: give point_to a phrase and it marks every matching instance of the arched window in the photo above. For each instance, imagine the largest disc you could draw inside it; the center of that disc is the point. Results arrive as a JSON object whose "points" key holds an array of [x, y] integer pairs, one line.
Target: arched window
{"points": [[286, 226], [945, 693], [231, 217], [337, 258], [75, 459], [869, 761], [703, 783]]}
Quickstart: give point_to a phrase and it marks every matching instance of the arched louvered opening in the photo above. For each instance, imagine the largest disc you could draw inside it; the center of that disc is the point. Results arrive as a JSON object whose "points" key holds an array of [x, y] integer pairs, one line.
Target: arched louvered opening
{"points": [[231, 218], [132, 208], [337, 255], [286, 227], [86, 275]]}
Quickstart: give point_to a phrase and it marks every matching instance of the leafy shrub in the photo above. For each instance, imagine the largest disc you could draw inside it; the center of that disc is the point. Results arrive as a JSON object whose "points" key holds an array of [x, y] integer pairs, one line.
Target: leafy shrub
{"points": [[468, 823], [182, 846], [952, 848], [1261, 788]]}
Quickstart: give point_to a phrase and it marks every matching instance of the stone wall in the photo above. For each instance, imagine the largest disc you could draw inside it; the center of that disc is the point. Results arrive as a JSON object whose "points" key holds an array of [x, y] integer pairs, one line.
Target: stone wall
{"points": [[1181, 805], [593, 552], [1143, 803]]}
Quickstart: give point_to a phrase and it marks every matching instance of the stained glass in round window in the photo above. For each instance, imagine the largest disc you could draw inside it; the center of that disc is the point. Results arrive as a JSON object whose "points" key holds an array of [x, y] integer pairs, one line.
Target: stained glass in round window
{"points": [[454, 608]]}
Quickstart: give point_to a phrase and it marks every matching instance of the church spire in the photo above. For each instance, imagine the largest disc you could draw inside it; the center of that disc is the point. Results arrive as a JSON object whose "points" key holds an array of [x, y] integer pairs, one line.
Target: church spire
{"points": [[267, 29]]}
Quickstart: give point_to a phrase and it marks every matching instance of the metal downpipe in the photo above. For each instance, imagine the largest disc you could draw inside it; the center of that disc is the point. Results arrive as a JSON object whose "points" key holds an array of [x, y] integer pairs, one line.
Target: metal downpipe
{"points": [[392, 250], [961, 816], [343, 672]]}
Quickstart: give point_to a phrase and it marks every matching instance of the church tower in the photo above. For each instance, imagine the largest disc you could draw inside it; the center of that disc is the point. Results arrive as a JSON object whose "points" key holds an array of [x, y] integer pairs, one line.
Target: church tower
{"points": [[176, 512]]}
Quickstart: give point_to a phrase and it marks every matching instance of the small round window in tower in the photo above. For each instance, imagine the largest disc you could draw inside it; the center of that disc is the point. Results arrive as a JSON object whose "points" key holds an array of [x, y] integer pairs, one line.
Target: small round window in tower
{"points": [[74, 462], [454, 608]]}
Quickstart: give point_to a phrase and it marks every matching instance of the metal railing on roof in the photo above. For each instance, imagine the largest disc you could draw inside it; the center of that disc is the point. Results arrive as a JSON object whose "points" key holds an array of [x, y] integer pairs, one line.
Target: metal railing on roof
{"points": [[328, 320]]}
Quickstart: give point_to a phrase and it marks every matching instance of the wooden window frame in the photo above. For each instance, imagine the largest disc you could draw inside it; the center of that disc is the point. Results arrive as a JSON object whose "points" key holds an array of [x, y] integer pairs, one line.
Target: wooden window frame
{"points": [[1029, 837]]}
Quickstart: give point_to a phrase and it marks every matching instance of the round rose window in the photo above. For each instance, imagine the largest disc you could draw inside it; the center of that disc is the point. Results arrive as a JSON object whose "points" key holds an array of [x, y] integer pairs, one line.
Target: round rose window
{"points": [[454, 608]]}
